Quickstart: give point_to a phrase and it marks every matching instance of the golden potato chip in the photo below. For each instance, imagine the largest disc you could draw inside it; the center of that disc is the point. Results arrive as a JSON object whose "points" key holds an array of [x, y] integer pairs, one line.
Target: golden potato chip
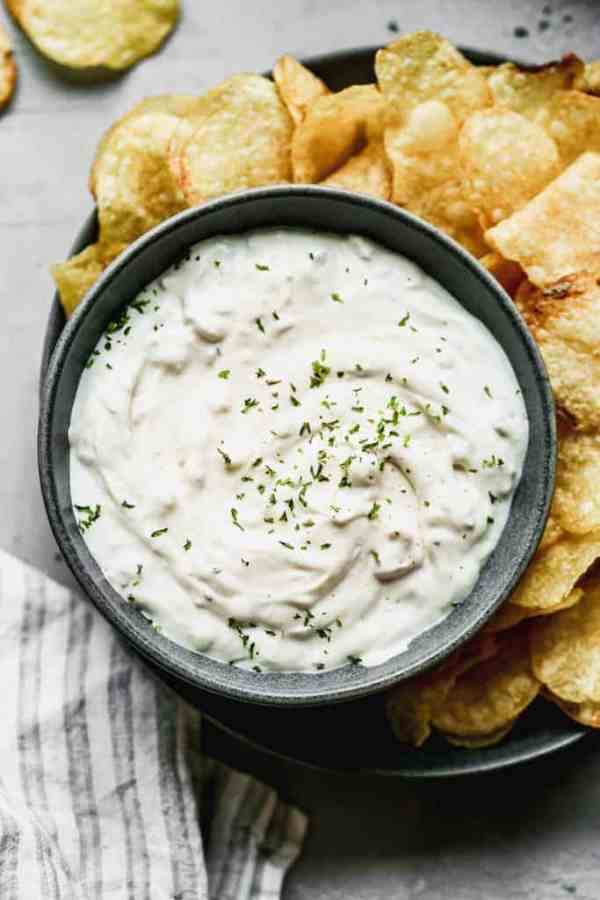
{"points": [[170, 104], [8, 69], [112, 34], [555, 571], [423, 66], [506, 160], [133, 183], [490, 695], [76, 276], [335, 128], [484, 740], [565, 321], [298, 87], [367, 172], [565, 650], [509, 274], [236, 136], [426, 176], [577, 495], [572, 119], [558, 232], [527, 90], [412, 704], [584, 713]]}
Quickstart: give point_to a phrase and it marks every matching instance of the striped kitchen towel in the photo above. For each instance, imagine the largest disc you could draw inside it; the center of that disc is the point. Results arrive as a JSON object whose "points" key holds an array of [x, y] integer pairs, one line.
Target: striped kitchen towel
{"points": [[102, 784]]}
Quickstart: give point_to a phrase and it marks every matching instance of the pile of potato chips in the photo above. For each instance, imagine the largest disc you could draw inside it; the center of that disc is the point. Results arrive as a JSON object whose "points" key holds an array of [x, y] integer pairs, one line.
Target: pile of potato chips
{"points": [[8, 69], [507, 162]]}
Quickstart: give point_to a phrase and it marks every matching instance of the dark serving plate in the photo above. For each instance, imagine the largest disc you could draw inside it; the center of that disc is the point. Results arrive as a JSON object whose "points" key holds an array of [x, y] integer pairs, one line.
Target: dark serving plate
{"points": [[352, 736]]}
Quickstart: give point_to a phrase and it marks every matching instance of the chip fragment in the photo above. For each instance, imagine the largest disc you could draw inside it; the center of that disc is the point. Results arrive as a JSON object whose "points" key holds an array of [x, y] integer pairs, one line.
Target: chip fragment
{"points": [[565, 650], [423, 66], [367, 172], [76, 276], [8, 69], [111, 34], [488, 697], [558, 232], [506, 160], [236, 136], [336, 127], [298, 87]]}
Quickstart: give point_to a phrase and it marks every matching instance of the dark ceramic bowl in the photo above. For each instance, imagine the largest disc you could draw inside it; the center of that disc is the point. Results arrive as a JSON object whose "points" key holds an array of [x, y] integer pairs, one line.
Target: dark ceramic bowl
{"points": [[343, 212]]}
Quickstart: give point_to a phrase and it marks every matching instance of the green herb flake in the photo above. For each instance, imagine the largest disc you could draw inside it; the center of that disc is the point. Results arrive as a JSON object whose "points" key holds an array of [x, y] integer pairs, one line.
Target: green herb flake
{"points": [[374, 512], [224, 374], [127, 505], [262, 268], [188, 545], [404, 320], [259, 325], [226, 457], [336, 297], [487, 390], [234, 518], [158, 532]]}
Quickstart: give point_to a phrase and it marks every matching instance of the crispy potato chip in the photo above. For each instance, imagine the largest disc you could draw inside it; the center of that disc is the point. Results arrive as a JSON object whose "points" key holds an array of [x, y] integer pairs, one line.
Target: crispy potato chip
{"points": [[112, 34], [554, 572], [423, 66], [134, 186], [506, 160], [236, 136], [572, 119], [565, 650], [298, 87], [565, 321], [527, 90], [509, 274], [367, 172], [169, 104], [8, 69], [426, 176], [76, 276], [558, 232], [577, 496], [484, 740], [411, 706], [490, 695], [334, 129]]}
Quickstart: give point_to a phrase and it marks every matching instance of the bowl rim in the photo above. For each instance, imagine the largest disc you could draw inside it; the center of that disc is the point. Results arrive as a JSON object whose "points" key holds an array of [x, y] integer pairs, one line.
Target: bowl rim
{"points": [[172, 657]]}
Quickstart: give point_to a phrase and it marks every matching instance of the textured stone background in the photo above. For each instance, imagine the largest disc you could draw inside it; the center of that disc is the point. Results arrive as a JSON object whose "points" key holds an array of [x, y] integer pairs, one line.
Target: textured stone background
{"points": [[532, 834]]}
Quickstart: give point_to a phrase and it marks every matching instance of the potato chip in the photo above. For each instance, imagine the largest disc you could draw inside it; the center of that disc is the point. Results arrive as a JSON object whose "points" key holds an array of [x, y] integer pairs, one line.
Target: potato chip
{"points": [[8, 69], [490, 695], [555, 571], [558, 232], [506, 160], [134, 186], [298, 87], [423, 66], [577, 495], [565, 321], [565, 650], [426, 176], [367, 172], [112, 34], [76, 276], [528, 90], [169, 104], [572, 120], [584, 713], [484, 740], [335, 128], [508, 274], [236, 136], [412, 704]]}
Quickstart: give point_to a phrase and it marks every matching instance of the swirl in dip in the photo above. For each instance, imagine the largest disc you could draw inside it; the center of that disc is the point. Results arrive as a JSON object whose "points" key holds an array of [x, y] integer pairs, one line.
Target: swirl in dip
{"points": [[295, 450]]}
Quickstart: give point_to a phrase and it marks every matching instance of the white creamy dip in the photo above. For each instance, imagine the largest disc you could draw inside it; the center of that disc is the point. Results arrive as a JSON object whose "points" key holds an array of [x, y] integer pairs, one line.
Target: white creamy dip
{"points": [[295, 450]]}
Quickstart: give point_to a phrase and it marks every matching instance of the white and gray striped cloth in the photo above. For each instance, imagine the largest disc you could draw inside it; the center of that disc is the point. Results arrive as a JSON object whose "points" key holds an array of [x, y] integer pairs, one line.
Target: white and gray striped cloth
{"points": [[102, 784]]}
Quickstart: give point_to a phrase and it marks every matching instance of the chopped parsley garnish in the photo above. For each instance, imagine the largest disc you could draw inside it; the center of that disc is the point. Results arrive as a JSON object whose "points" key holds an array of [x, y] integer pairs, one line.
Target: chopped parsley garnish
{"points": [[216, 263], [404, 320], [444, 387], [325, 546], [234, 518], [294, 400], [127, 505], [92, 514], [492, 497], [188, 545], [487, 390], [262, 268], [336, 297], [305, 428], [374, 511], [226, 457], [259, 325], [319, 372], [355, 660], [285, 543], [224, 374], [260, 373], [158, 532], [249, 403], [375, 556], [492, 461]]}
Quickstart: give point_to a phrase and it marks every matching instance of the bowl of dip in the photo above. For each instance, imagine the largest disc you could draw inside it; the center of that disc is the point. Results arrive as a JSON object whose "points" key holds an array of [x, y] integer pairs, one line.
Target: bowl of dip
{"points": [[296, 445]]}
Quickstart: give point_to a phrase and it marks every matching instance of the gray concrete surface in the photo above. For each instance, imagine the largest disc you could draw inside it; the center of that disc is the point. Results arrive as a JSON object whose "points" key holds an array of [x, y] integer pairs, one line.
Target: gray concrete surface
{"points": [[527, 835]]}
